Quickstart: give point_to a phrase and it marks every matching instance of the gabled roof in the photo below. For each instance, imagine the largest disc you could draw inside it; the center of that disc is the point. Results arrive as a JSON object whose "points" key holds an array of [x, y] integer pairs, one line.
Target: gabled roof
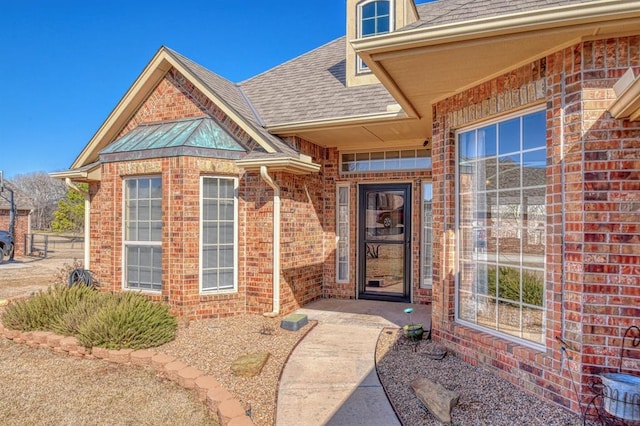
{"points": [[231, 94], [224, 94], [453, 48]]}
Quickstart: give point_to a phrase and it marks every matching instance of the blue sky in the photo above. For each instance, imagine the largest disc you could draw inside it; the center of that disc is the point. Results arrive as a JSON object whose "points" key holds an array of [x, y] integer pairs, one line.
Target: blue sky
{"points": [[66, 63]]}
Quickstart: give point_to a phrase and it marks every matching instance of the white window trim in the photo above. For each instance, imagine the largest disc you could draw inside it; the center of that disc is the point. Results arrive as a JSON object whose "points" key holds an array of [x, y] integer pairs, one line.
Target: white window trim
{"points": [[137, 243], [426, 282], [347, 187], [416, 157], [202, 291], [361, 67], [490, 331]]}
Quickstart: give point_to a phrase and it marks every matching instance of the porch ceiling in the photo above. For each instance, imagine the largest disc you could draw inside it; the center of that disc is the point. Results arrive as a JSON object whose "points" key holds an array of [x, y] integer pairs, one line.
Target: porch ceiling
{"points": [[422, 66], [399, 132]]}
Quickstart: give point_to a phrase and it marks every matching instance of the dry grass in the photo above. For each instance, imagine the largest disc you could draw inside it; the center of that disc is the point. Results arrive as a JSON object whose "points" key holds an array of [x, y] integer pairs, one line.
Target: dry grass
{"points": [[40, 387]]}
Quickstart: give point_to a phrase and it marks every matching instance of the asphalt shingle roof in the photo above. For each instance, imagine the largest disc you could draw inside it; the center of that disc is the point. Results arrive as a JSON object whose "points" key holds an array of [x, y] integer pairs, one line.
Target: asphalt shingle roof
{"points": [[313, 87], [20, 199], [451, 11]]}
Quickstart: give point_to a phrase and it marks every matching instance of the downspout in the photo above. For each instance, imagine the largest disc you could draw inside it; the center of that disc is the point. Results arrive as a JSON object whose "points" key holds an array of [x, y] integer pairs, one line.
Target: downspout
{"points": [[276, 242], [87, 217]]}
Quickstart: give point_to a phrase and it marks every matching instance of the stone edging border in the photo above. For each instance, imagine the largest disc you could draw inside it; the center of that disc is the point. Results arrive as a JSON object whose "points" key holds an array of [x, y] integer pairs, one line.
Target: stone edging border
{"points": [[219, 401]]}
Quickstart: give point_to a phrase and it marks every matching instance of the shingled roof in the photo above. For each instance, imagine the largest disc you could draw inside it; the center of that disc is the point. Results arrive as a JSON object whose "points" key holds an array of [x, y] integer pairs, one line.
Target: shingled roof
{"points": [[451, 11], [21, 200], [312, 87]]}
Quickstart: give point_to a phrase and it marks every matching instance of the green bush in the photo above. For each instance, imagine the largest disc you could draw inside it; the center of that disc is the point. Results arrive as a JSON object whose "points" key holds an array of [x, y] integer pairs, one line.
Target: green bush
{"points": [[129, 321], [69, 323], [114, 321], [509, 285], [44, 310]]}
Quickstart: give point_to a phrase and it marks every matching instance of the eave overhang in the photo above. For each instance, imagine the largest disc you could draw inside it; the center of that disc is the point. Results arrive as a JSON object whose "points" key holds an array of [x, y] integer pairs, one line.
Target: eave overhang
{"points": [[137, 94], [627, 103], [303, 166], [363, 120], [90, 172], [393, 127], [424, 65]]}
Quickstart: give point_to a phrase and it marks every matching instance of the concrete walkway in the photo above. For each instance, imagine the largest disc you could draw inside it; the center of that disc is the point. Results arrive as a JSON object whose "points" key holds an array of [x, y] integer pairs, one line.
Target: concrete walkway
{"points": [[330, 378]]}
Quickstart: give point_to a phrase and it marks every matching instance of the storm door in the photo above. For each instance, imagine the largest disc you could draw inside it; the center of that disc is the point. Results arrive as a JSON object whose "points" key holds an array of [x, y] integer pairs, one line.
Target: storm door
{"points": [[384, 242]]}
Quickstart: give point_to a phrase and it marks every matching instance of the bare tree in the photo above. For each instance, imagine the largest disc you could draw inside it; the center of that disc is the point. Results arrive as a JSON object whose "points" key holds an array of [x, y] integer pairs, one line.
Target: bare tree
{"points": [[45, 193]]}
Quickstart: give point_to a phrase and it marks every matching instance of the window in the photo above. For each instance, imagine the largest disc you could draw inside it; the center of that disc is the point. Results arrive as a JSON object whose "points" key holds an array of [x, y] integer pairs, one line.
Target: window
{"points": [[143, 234], [374, 18], [218, 235], [408, 159], [427, 235], [342, 232], [501, 190]]}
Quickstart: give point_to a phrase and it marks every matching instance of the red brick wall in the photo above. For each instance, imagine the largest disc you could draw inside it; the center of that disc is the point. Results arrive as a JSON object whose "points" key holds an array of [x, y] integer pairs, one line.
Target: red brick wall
{"points": [[302, 251], [593, 241], [22, 227], [609, 241]]}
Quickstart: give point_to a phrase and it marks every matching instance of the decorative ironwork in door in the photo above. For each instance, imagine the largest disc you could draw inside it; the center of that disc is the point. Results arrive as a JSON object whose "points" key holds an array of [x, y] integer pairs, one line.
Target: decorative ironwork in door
{"points": [[384, 241]]}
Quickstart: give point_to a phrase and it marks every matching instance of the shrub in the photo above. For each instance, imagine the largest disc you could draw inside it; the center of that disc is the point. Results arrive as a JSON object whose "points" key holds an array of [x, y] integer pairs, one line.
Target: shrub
{"points": [[509, 285], [69, 323], [115, 321], [45, 308], [128, 321]]}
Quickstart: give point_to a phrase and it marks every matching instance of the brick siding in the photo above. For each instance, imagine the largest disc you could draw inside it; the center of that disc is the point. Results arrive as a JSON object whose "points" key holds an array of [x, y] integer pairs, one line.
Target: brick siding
{"points": [[302, 219], [22, 227], [593, 224]]}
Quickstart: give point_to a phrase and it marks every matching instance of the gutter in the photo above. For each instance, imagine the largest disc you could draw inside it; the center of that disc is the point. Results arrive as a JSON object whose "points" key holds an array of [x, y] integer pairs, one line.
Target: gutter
{"points": [[339, 122], [598, 12], [276, 242], [87, 218], [627, 103]]}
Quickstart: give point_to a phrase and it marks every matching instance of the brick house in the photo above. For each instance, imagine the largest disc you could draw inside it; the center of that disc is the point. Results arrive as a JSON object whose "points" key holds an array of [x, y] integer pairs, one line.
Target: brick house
{"points": [[24, 208], [483, 157]]}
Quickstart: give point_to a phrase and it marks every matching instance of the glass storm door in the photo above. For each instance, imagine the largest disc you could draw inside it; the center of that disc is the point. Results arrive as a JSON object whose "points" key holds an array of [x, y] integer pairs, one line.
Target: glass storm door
{"points": [[384, 242]]}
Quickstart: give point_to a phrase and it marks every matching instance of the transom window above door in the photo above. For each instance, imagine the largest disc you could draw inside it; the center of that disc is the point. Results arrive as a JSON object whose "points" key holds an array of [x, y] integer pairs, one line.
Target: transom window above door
{"points": [[379, 161]]}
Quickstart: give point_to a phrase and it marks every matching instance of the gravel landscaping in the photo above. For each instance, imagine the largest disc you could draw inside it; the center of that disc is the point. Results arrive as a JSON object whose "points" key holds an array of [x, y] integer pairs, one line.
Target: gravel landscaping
{"points": [[38, 386], [485, 399], [212, 345]]}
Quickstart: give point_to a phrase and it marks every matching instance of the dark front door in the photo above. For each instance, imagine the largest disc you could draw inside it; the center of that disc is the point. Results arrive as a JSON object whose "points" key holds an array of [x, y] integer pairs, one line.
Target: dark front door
{"points": [[384, 241]]}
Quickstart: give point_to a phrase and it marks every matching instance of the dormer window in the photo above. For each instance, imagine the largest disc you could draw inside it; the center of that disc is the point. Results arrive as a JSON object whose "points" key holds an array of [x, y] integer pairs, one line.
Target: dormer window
{"points": [[374, 18]]}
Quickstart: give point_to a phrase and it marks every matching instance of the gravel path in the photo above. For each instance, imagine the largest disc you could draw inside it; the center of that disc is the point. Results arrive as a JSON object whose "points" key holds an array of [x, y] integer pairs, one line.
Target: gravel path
{"points": [[485, 399]]}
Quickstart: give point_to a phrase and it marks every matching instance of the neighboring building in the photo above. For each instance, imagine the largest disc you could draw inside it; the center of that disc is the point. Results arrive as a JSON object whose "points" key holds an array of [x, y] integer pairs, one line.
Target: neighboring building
{"points": [[481, 156], [24, 207]]}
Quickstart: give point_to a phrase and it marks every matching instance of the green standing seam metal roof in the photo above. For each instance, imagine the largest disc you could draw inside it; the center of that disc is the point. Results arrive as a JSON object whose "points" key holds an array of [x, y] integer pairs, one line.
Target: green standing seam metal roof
{"points": [[200, 132]]}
